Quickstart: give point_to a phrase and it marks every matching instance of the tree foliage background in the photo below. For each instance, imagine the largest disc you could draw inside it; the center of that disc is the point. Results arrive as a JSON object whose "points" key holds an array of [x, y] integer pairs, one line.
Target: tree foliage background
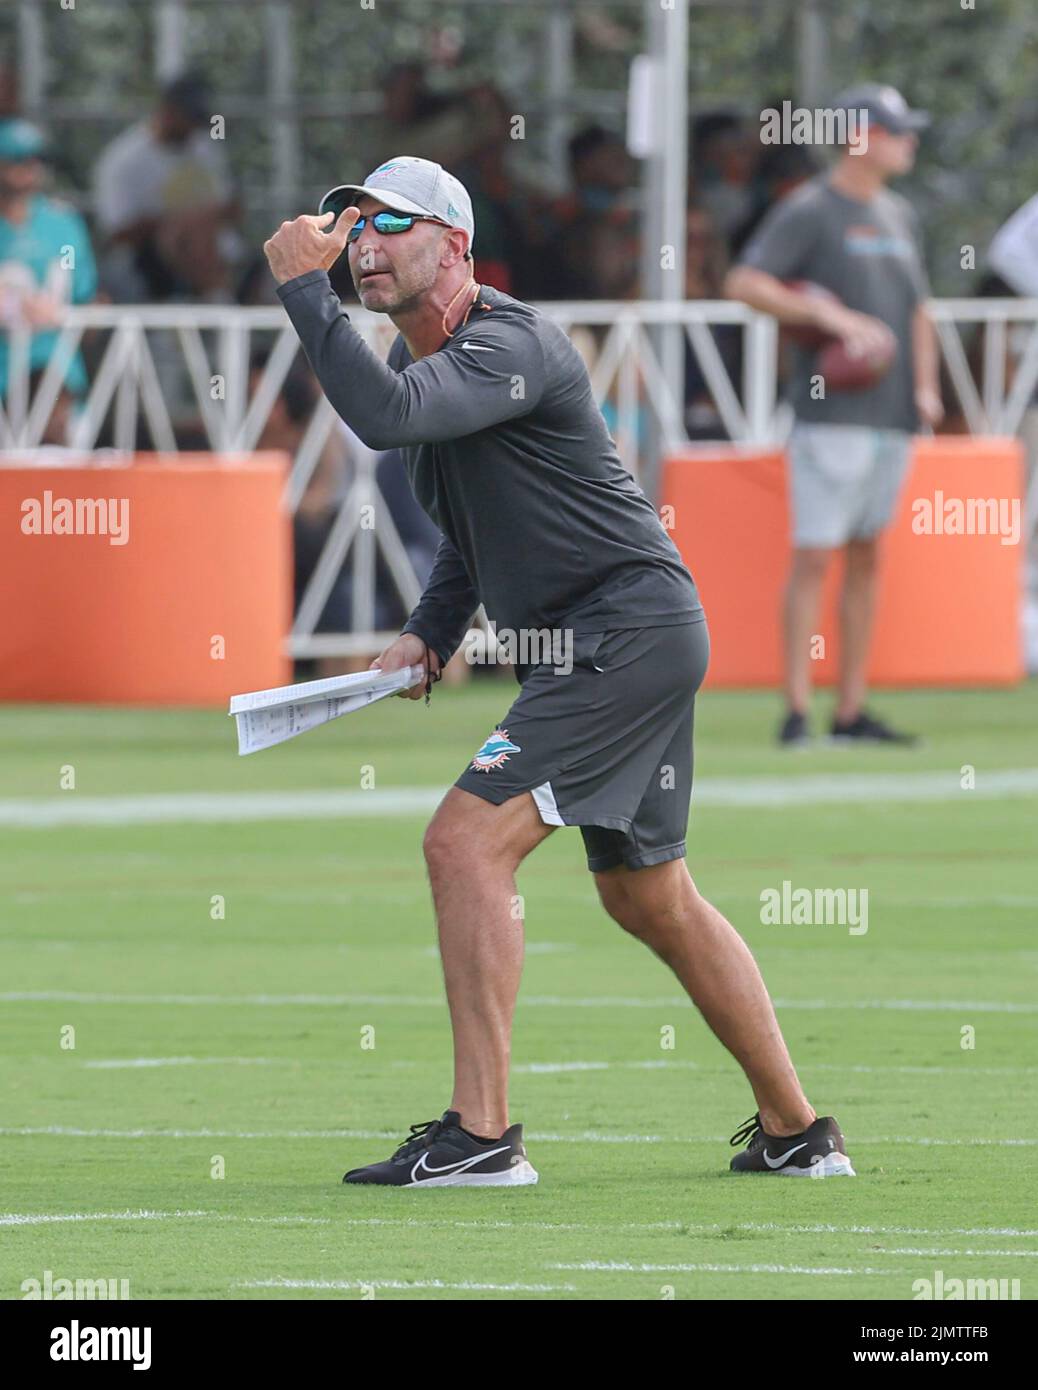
{"points": [[972, 63]]}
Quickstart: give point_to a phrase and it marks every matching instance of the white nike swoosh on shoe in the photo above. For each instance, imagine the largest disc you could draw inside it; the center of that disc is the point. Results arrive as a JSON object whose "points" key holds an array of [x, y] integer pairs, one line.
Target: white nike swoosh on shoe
{"points": [[778, 1162], [477, 347], [422, 1165]]}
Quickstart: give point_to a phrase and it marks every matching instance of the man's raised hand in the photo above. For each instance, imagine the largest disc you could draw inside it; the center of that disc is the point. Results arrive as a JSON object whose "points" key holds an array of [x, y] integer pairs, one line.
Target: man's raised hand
{"points": [[304, 245]]}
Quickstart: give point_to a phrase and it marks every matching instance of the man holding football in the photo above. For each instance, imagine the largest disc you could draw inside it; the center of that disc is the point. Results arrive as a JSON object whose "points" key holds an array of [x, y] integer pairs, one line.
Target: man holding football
{"points": [[505, 449], [849, 450]]}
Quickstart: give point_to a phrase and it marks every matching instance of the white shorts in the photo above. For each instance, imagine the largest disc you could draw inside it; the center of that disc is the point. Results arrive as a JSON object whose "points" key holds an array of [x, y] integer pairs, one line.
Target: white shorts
{"points": [[844, 482]]}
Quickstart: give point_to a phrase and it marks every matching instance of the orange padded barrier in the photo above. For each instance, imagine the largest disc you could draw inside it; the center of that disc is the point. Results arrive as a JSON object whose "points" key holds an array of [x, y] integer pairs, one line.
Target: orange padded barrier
{"points": [[178, 590], [949, 604]]}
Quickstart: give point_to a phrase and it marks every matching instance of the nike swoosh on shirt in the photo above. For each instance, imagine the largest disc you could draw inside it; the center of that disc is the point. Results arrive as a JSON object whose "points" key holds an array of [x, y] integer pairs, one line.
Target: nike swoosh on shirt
{"points": [[422, 1165], [477, 347], [778, 1162]]}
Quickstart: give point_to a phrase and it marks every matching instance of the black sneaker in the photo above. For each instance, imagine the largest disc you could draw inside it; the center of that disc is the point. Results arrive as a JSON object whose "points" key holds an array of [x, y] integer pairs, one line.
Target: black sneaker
{"points": [[817, 1152], [440, 1153], [866, 729], [793, 731]]}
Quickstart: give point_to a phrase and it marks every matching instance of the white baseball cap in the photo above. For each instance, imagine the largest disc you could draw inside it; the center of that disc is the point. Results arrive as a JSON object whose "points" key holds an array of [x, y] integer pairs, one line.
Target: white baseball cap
{"points": [[406, 183]]}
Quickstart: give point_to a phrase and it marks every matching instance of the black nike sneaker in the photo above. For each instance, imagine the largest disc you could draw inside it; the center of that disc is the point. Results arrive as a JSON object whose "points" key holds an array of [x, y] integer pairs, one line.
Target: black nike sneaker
{"points": [[440, 1153], [817, 1152], [867, 729], [793, 732]]}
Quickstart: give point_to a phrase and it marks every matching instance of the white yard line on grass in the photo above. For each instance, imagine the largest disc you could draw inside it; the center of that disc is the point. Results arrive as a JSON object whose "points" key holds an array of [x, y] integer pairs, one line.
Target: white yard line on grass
{"points": [[116, 1063], [628, 1267], [584, 1137], [210, 808], [678, 1064], [229, 807], [41, 1219], [403, 1284], [702, 1228], [1012, 1254], [584, 1227], [536, 1001]]}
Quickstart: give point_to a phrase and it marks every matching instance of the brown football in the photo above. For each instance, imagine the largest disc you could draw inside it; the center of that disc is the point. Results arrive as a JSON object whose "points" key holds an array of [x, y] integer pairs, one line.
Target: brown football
{"points": [[806, 335], [842, 372]]}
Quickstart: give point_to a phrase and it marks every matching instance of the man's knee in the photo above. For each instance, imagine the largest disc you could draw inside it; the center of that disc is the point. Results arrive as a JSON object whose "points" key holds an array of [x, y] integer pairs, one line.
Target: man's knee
{"points": [[648, 903], [863, 556], [810, 563], [468, 832], [450, 843], [612, 893]]}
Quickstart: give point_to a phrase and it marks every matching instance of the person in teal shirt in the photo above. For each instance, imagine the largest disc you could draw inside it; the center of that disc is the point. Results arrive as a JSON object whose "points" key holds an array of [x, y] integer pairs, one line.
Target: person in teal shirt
{"points": [[46, 259]]}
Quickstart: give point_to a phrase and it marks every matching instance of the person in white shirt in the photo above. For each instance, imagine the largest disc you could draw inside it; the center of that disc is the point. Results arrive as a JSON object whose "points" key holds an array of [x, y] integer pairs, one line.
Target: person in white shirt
{"points": [[1013, 256], [1013, 253], [164, 205]]}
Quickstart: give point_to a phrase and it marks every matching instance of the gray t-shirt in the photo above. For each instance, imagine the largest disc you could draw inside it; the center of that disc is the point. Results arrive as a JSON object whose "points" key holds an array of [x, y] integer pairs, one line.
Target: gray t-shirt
{"points": [[867, 254], [509, 455]]}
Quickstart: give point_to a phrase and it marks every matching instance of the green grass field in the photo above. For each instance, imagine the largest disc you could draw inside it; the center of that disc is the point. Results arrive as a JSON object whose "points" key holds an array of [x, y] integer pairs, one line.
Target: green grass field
{"points": [[255, 1019]]}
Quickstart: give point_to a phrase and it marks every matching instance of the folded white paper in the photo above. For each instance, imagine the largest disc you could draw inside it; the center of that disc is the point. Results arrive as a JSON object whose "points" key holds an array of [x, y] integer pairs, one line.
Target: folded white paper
{"points": [[267, 717]]}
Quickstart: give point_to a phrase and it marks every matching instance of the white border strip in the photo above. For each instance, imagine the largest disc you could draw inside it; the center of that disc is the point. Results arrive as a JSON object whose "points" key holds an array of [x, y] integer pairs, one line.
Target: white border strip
{"points": [[533, 1001], [585, 1137], [760, 792]]}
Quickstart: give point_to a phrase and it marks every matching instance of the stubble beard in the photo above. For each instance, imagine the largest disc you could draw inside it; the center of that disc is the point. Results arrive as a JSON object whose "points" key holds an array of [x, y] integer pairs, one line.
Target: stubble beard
{"points": [[400, 293]]}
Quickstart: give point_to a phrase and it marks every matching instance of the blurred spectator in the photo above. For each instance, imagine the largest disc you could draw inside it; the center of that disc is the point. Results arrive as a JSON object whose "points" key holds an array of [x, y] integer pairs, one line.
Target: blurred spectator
{"points": [[164, 204], [591, 246], [1013, 253], [781, 169], [502, 250], [706, 264], [725, 158], [8, 89], [1013, 262], [416, 120], [46, 260], [57, 431]]}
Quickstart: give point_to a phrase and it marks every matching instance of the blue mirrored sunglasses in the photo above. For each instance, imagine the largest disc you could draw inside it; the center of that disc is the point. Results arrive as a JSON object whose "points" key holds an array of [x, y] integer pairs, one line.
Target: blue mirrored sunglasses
{"points": [[388, 224]]}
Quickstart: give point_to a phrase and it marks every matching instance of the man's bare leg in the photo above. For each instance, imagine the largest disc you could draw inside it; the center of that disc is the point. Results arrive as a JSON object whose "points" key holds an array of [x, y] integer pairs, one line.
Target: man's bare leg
{"points": [[800, 622], [857, 609], [662, 907], [472, 850]]}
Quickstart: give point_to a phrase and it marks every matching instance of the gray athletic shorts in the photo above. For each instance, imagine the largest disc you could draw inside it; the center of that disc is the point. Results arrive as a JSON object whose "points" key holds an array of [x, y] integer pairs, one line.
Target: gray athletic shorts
{"points": [[608, 746], [844, 482]]}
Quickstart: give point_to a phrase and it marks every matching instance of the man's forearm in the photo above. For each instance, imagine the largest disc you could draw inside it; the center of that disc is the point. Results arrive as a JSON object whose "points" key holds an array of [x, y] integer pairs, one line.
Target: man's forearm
{"points": [[768, 295], [444, 395], [362, 389], [446, 606], [925, 351]]}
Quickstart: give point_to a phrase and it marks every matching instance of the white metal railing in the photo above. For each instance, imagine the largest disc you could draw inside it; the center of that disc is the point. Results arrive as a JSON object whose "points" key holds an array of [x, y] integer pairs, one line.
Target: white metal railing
{"points": [[165, 363]]}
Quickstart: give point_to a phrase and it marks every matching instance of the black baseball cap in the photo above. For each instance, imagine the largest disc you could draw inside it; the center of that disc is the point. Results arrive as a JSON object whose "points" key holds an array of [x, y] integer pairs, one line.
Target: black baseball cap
{"points": [[884, 106], [190, 94]]}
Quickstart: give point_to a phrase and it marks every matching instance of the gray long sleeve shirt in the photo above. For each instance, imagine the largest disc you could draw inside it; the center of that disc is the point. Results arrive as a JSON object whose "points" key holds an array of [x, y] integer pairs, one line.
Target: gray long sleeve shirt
{"points": [[508, 454]]}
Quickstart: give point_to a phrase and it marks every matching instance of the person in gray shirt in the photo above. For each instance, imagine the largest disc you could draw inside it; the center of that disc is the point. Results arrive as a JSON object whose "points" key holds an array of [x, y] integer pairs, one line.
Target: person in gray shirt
{"points": [[849, 450], [506, 450]]}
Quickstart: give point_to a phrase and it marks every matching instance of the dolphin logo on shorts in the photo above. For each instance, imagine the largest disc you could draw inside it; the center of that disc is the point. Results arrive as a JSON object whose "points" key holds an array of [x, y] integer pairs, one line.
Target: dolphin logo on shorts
{"points": [[494, 752]]}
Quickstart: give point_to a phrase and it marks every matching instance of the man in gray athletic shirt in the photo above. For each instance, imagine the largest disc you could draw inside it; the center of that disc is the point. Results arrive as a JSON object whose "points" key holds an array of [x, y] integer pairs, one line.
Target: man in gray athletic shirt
{"points": [[849, 450], [506, 451]]}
